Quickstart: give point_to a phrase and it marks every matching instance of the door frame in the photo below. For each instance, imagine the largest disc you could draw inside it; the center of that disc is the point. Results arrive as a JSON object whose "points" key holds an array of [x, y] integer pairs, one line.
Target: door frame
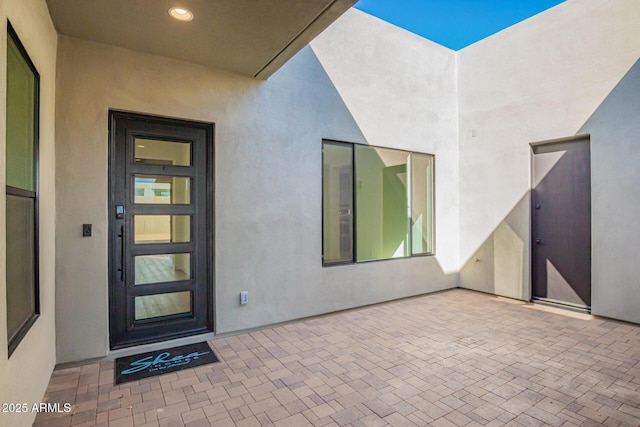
{"points": [[209, 213], [532, 228]]}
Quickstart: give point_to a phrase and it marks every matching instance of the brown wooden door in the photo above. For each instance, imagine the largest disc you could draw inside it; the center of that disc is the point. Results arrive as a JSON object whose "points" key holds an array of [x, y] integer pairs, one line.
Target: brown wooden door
{"points": [[562, 222]]}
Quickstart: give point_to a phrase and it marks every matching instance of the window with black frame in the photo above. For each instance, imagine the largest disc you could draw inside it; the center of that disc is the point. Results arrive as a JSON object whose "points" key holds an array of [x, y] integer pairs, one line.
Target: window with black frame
{"points": [[377, 203], [21, 191]]}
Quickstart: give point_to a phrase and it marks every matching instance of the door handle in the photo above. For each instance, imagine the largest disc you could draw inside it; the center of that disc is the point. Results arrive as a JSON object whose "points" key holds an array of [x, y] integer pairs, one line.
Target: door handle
{"points": [[539, 242], [121, 269]]}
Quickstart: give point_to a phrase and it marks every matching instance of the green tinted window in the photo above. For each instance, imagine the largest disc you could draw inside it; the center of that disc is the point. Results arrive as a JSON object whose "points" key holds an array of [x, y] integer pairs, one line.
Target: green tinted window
{"points": [[337, 201], [382, 203], [21, 192], [20, 263], [21, 90], [390, 215]]}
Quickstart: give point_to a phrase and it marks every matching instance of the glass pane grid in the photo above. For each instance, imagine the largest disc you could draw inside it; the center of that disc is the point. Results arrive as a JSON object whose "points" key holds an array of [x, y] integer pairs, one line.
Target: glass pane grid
{"points": [[393, 199]]}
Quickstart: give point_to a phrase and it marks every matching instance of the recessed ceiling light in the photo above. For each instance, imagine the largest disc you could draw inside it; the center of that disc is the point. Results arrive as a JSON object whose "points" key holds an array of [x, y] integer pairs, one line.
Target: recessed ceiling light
{"points": [[181, 14]]}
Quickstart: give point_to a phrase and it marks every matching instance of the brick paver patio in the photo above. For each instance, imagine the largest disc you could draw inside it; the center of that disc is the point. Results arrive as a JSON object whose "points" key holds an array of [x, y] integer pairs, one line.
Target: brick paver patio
{"points": [[456, 358]]}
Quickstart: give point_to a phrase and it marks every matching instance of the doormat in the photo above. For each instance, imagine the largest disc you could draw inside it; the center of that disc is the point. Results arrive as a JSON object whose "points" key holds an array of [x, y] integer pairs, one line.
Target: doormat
{"points": [[139, 366]]}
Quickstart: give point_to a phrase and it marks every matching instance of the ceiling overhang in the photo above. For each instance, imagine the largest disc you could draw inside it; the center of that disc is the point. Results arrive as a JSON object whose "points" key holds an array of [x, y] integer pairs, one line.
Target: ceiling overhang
{"points": [[249, 37]]}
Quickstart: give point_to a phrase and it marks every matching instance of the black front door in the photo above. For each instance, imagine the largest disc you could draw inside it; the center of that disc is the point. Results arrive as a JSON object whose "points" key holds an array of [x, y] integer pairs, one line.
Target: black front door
{"points": [[160, 225], [562, 222]]}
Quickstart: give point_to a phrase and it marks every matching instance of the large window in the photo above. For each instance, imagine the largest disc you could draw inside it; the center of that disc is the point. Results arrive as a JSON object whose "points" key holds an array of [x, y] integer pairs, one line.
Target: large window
{"points": [[21, 191], [377, 203]]}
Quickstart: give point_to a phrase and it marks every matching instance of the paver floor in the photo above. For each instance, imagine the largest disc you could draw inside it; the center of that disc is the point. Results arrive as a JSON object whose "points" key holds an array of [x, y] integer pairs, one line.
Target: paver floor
{"points": [[456, 358]]}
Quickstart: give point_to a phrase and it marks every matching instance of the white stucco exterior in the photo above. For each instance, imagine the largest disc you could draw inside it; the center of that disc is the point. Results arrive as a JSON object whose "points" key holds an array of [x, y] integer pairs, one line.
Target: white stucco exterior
{"points": [[268, 189], [402, 92], [549, 77]]}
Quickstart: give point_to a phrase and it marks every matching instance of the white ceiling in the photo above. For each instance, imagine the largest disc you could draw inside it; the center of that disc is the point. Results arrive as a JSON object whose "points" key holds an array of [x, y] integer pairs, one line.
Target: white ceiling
{"points": [[250, 37]]}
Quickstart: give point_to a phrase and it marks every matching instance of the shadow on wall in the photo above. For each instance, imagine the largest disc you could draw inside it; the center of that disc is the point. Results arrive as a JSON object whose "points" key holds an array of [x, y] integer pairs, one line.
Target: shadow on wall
{"points": [[316, 75], [502, 263], [615, 152], [620, 108]]}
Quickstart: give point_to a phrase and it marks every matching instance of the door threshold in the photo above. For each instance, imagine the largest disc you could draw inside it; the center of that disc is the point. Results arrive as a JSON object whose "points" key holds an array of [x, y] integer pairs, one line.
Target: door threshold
{"points": [[144, 348], [561, 304]]}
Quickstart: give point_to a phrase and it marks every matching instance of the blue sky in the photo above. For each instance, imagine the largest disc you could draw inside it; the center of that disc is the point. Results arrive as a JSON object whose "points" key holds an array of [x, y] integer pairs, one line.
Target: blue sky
{"points": [[454, 23]]}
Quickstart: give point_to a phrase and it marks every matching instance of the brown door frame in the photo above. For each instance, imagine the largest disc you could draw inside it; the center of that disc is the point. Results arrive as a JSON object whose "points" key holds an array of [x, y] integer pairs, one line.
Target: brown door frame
{"points": [[532, 213]]}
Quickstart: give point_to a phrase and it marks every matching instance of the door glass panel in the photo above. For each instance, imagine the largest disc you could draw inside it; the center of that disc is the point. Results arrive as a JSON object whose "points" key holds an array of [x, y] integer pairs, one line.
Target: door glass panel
{"points": [[162, 152], [150, 306], [163, 190], [162, 228], [162, 268]]}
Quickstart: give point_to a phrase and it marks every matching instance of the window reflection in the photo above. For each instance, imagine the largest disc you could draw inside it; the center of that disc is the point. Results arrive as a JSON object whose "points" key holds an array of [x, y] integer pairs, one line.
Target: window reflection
{"points": [[162, 228], [391, 210], [150, 306], [421, 204], [162, 152], [338, 203], [161, 189], [382, 203], [162, 268]]}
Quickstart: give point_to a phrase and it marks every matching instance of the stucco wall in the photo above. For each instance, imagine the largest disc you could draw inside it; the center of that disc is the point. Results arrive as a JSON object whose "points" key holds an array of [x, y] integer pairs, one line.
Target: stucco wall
{"points": [[402, 92], [267, 180], [362, 81], [615, 130], [543, 79], [24, 376]]}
